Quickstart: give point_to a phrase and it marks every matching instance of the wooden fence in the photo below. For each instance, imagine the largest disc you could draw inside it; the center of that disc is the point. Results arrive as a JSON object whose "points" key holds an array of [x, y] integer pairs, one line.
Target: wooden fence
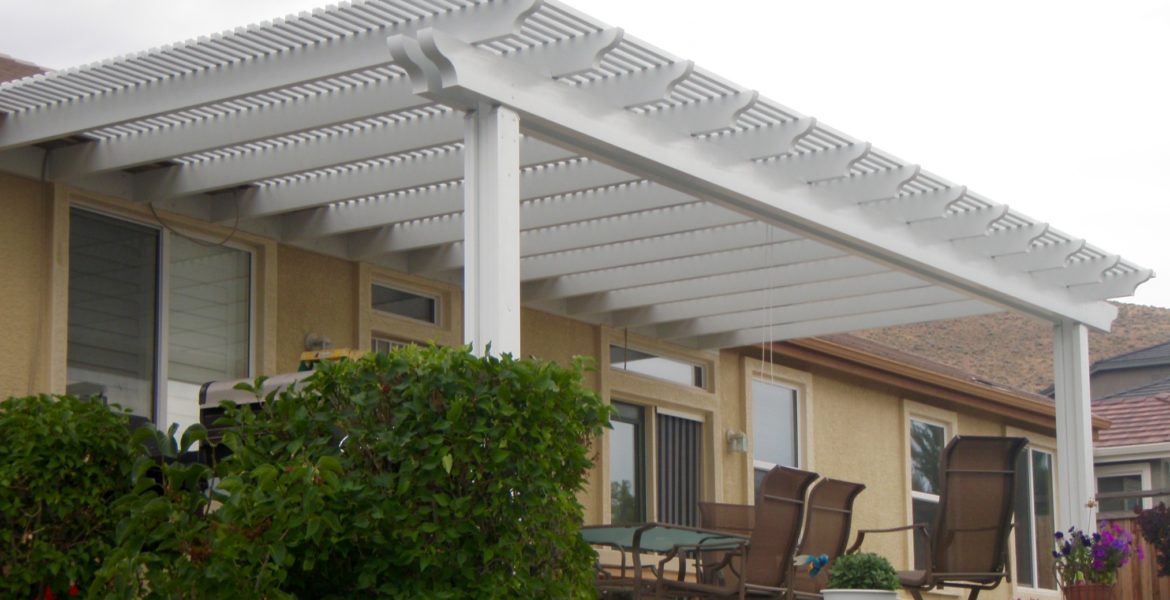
{"points": [[1139, 580]]}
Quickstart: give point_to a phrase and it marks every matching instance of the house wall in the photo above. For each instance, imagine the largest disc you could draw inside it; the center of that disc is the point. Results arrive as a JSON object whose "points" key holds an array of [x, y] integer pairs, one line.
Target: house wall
{"points": [[1105, 383], [25, 267], [855, 429], [317, 295]]}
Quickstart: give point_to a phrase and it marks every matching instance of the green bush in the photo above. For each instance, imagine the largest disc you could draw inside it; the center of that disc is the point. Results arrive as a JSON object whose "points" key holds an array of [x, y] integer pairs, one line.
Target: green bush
{"points": [[428, 472], [64, 463], [862, 571]]}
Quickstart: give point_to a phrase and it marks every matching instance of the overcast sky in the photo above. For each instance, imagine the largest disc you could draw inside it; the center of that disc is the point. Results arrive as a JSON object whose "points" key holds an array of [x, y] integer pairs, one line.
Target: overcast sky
{"points": [[1060, 109]]}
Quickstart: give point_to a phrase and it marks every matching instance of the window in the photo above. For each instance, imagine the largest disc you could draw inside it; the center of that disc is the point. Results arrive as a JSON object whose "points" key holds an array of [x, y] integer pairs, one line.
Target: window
{"points": [[927, 441], [660, 367], [774, 427], [1123, 478], [152, 314], [627, 499], [381, 344], [1035, 520], [397, 301], [678, 452]]}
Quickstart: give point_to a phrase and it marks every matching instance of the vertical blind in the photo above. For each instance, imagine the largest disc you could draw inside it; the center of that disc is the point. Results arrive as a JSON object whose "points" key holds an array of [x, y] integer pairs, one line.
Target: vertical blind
{"points": [[679, 465]]}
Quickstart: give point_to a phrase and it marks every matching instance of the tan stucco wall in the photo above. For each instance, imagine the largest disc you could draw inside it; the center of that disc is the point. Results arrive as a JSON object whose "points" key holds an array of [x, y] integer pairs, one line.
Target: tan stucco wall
{"points": [[25, 225], [857, 433], [316, 294]]}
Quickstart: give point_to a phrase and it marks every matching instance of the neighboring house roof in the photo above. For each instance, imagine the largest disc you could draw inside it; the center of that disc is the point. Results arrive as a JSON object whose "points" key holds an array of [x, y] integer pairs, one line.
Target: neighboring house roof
{"points": [[655, 195], [1158, 354], [886, 364], [11, 68], [1136, 420]]}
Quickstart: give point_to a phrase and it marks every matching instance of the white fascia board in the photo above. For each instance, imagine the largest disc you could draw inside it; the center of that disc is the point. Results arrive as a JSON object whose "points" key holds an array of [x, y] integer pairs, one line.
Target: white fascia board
{"points": [[789, 331], [457, 74], [1114, 454], [359, 51]]}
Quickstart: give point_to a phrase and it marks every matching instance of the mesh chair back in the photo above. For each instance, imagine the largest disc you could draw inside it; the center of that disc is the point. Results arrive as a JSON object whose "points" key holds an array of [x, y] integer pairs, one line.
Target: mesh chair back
{"points": [[975, 506], [828, 519], [779, 508]]}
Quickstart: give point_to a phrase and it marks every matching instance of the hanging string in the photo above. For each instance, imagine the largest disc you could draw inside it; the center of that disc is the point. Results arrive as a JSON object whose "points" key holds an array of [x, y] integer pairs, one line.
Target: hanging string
{"points": [[231, 234]]}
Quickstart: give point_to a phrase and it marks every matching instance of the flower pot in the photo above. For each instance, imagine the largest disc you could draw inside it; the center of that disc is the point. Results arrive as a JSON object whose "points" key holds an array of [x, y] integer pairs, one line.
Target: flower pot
{"points": [[1089, 591], [832, 594]]}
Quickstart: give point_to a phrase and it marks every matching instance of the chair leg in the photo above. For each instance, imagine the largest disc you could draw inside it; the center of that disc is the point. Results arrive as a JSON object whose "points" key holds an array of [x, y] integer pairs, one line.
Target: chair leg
{"points": [[916, 593], [974, 594]]}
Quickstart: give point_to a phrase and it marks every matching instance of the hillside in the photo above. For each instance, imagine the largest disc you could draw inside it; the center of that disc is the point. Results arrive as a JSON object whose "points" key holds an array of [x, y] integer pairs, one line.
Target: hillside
{"points": [[1016, 350]]}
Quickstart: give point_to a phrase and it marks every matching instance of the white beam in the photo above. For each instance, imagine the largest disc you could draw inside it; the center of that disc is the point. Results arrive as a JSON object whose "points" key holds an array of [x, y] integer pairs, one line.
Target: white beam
{"points": [[1048, 256], [459, 75], [359, 51], [232, 129], [789, 331], [310, 154], [359, 182], [491, 278], [920, 206], [760, 142], [1112, 286], [689, 268], [1075, 483], [446, 229], [923, 297], [728, 283], [678, 245], [784, 294], [617, 192]]}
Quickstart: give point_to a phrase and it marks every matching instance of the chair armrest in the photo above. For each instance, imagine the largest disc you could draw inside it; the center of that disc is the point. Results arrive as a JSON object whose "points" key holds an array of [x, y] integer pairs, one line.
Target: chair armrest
{"points": [[861, 534]]}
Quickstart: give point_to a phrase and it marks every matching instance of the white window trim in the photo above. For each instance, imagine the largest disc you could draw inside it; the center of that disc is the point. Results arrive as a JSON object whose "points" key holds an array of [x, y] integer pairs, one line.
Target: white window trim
{"points": [[160, 401], [802, 382], [1044, 444], [949, 421], [703, 365], [434, 296], [1125, 469]]}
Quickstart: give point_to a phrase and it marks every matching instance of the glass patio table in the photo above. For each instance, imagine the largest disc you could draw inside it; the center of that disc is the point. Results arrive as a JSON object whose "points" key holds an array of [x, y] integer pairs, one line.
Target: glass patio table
{"points": [[658, 538]]}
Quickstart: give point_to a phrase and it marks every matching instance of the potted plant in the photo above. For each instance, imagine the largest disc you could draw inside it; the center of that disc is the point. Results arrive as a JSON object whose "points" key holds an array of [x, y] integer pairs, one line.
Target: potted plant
{"points": [[861, 576], [1087, 564]]}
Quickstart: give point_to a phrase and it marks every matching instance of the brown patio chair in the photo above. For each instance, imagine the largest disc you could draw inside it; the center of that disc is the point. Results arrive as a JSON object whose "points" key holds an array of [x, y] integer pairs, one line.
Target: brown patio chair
{"points": [[739, 519], [967, 546], [762, 566], [828, 518]]}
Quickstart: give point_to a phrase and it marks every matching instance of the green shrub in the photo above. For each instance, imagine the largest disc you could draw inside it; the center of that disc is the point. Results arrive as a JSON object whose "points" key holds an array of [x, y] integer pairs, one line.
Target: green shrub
{"points": [[425, 473], [64, 463], [862, 571], [164, 537]]}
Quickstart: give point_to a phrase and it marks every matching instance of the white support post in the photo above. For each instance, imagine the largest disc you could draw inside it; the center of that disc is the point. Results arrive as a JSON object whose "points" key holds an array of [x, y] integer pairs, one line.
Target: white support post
{"points": [[491, 230], [1074, 433]]}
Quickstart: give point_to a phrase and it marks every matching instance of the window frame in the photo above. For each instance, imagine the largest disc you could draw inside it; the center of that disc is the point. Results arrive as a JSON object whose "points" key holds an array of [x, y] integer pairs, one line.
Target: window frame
{"points": [[949, 421], [261, 271], [655, 396], [799, 381], [702, 368], [1141, 469], [1046, 444], [642, 456], [447, 330]]}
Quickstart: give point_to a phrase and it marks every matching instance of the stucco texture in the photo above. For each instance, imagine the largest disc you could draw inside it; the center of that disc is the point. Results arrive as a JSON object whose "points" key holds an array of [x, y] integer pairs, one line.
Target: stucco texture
{"points": [[24, 270], [316, 294]]}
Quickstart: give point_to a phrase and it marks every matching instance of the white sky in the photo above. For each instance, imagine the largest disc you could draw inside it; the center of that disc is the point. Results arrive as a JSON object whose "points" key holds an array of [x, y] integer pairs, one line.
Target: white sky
{"points": [[1060, 109]]}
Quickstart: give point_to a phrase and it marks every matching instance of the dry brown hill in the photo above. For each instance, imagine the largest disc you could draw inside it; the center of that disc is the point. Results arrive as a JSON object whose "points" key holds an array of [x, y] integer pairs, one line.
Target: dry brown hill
{"points": [[1015, 350]]}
